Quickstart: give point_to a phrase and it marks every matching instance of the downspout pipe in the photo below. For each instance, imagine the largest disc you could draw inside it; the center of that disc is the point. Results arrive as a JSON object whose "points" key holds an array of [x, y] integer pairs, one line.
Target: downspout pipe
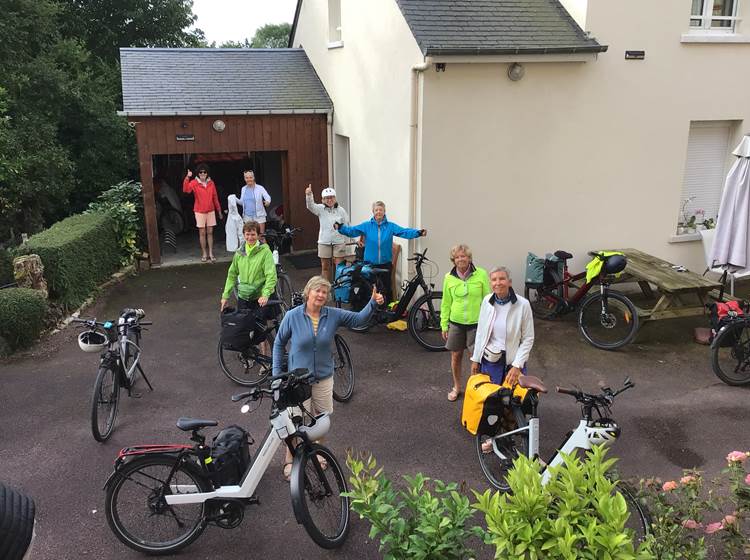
{"points": [[414, 125], [329, 138]]}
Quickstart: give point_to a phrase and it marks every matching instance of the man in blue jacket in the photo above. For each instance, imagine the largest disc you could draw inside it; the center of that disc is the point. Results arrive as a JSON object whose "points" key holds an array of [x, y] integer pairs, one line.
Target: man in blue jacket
{"points": [[379, 234]]}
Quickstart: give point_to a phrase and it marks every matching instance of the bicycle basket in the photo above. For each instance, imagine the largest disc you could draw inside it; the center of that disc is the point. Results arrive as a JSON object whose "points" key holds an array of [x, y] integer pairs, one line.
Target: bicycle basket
{"points": [[92, 341]]}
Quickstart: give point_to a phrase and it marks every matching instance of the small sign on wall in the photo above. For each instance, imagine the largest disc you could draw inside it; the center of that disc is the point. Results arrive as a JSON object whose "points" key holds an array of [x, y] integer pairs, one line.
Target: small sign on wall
{"points": [[185, 137], [635, 55]]}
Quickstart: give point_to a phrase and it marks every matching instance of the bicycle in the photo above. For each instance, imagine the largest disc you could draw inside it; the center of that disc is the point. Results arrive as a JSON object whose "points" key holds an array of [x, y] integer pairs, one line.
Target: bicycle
{"points": [[423, 316], [730, 352], [119, 363], [160, 498], [523, 439], [607, 319], [278, 240], [250, 367]]}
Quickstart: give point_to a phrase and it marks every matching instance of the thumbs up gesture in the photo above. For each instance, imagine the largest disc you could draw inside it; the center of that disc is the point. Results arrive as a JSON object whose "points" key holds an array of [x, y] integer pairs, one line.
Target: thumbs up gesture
{"points": [[308, 190], [378, 298]]}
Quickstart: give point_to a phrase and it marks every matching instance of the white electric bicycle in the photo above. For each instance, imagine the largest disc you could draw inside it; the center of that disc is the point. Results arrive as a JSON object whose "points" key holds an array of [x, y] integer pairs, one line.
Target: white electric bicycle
{"points": [[160, 498], [497, 452]]}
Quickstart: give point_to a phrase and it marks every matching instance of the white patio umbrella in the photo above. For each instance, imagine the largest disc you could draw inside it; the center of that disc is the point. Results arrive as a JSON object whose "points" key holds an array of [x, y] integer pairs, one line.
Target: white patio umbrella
{"points": [[731, 247]]}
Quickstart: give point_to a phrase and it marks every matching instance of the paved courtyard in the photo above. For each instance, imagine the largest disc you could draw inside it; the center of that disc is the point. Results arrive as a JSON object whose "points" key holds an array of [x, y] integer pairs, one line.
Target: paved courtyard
{"points": [[678, 416]]}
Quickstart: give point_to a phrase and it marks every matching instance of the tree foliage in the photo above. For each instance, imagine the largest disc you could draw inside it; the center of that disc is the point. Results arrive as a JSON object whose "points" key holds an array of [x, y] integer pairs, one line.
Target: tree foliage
{"points": [[271, 36]]}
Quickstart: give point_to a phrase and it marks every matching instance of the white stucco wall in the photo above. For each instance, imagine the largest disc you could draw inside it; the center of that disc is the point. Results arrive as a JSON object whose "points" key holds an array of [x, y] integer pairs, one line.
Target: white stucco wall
{"points": [[577, 156], [369, 81]]}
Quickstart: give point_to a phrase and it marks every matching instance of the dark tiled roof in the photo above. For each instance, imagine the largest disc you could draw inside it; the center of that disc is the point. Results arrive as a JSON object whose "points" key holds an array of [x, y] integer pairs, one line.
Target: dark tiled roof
{"points": [[216, 81], [495, 27]]}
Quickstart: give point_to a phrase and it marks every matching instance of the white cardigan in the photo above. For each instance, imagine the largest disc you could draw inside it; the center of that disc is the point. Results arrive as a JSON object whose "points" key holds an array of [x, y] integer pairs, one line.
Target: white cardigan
{"points": [[519, 331]]}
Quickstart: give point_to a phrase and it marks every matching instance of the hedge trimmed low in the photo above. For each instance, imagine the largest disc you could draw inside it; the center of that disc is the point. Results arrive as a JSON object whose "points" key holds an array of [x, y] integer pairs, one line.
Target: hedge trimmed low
{"points": [[78, 254], [22, 314]]}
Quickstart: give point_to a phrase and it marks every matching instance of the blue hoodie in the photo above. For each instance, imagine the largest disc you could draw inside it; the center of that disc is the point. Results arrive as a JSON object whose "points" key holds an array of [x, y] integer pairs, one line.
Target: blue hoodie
{"points": [[379, 238]]}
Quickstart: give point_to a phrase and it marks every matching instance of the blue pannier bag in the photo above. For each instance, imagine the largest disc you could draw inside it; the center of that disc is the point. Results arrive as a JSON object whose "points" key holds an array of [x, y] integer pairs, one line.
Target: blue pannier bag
{"points": [[344, 287]]}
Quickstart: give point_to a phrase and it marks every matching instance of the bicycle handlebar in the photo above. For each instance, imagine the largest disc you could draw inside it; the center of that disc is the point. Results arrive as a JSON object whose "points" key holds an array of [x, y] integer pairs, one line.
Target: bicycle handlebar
{"points": [[605, 397], [284, 381]]}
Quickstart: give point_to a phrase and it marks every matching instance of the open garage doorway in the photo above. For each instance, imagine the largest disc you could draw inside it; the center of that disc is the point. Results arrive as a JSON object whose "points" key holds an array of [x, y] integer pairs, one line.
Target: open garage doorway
{"points": [[178, 235]]}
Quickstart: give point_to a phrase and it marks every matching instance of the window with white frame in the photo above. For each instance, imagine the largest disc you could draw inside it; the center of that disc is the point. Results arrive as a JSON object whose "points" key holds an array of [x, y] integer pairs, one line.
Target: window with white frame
{"points": [[705, 171], [334, 22], [718, 16]]}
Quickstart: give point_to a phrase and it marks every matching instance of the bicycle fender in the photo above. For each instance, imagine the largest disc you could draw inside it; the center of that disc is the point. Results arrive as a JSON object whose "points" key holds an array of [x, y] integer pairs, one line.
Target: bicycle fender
{"points": [[296, 489]]}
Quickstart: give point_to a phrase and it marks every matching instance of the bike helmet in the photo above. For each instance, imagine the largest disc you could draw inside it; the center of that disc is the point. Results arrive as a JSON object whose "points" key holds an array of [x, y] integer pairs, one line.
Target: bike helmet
{"points": [[328, 191], [92, 341], [615, 264]]}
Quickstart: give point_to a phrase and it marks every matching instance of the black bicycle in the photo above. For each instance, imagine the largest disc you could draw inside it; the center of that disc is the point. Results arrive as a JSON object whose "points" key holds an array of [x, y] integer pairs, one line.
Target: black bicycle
{"points": [[730, 352], [353, 288], [281, 242], [119, 365]]}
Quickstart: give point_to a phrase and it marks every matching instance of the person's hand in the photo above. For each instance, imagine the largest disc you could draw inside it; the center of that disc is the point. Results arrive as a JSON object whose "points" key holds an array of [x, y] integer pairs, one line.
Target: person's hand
{"points": [[223, 304], [262, 300], [308, 190], [360, 243], [423, 232], [220, 216], [377, 298], [189, 174], [445, 335], [266, 203], [474, 367], [336, 225], [512, 376]]}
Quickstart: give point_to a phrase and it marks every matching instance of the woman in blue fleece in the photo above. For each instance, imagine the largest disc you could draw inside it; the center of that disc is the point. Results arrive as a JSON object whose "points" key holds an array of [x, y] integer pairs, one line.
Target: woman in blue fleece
{"points": [[379, 234], [310, 328]]}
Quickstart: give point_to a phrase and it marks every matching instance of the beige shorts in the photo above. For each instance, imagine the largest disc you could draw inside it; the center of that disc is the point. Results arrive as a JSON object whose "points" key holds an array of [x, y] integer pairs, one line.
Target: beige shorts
{"points": [[207, 219], [460, 336], [331, 251], [259, 219], [322, 397]]}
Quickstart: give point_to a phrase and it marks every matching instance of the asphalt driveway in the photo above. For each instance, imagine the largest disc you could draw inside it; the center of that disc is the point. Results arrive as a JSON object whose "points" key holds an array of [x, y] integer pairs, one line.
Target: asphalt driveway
{"points": [[678, 416]]}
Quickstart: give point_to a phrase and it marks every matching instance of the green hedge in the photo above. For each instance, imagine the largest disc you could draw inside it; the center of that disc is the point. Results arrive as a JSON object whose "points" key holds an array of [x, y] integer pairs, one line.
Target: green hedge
{"points": [[78, 253], [22, 314], [6, 267]]}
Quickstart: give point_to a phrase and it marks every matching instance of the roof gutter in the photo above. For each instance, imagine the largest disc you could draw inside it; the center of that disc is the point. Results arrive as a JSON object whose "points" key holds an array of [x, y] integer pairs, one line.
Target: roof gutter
{"points": [[480, 51], [172, 113]]}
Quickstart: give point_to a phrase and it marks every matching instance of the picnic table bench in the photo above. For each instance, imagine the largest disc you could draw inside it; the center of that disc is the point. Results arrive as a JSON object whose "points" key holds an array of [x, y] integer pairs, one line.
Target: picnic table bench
{"points": [[678, 288]]}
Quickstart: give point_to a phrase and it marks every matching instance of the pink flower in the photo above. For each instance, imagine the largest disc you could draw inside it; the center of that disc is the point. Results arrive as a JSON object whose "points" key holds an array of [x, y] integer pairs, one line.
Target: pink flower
{"points": [[747, 479], [669, 486], [711, 528], [729, 520], [736, 457], [687, 479], [691, 524]]}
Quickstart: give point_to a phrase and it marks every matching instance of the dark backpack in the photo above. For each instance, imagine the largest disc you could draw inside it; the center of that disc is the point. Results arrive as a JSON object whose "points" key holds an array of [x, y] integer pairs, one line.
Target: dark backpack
{"points": [[241, 329], [230, 454], [723, 313]]}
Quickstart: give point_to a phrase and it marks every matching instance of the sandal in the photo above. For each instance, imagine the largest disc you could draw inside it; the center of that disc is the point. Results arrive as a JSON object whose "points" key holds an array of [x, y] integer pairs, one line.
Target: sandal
{"points": [[453, 395], [212, 258], [487, 446], [287, 472], [203, 258], [323, 463]]}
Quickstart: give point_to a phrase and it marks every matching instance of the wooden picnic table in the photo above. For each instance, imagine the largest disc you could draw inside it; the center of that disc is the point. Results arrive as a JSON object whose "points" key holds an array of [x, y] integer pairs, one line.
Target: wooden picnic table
{"points": [[678, 289]]}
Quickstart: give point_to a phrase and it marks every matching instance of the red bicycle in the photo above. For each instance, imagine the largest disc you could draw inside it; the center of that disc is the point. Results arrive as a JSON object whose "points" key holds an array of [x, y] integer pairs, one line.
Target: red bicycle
{"points": [[607, 319]]}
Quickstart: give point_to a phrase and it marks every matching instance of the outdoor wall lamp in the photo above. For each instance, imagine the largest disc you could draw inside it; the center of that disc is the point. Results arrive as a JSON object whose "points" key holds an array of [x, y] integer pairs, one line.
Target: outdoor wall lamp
{"points": [[516, 72], [440, 67]]}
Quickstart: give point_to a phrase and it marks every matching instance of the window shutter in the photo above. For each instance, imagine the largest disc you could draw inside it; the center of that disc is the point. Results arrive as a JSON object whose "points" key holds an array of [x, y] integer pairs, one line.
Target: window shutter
{"points": [[705, 167]]}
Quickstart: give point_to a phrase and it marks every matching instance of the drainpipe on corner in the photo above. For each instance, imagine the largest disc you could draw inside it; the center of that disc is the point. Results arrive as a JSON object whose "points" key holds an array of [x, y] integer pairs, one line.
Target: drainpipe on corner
{"points": [[329, 138], [415, 125]]}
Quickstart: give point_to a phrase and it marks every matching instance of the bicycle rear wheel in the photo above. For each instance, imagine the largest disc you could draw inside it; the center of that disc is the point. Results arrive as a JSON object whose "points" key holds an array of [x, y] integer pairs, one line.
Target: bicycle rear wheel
{"points": [[730, 354], [343, 370], [424, 322], [139, 515], [284, 291], [498, 460], [317, 496], [242, 367], [611, 326], [545, 303], [104, 403]]}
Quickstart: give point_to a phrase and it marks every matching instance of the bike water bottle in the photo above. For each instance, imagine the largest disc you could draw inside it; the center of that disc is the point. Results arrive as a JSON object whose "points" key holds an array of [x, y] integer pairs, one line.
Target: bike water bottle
{"points": [[275, 256]]}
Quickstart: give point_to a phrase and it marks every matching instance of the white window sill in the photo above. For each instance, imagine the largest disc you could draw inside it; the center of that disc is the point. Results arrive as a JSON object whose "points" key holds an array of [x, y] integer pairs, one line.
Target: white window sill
{"points": [[335, 45], [696, 37], [684, 237]]}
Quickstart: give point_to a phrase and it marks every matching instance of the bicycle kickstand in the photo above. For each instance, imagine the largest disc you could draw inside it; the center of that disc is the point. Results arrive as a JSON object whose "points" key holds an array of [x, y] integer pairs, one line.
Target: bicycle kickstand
{"points": [[143, 373]]}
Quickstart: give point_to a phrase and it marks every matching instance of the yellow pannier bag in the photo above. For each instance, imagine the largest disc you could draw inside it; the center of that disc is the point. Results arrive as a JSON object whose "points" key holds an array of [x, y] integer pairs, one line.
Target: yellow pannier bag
{"points": [[485, 402]]}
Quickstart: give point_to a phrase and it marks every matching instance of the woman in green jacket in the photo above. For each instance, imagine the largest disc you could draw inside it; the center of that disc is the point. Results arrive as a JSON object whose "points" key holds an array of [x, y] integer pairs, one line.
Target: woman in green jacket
{"points": [[464, 287]]}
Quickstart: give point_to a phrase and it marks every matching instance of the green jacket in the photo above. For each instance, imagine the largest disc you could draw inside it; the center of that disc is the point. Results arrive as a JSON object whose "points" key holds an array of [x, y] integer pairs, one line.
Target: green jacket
{"points": [[252, 271], [463, 298]]}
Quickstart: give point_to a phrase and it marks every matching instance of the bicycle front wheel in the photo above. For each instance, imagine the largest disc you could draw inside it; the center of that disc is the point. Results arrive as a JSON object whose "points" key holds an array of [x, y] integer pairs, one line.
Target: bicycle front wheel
{"points": [[639, 521], [730, 354], [608, 325], [104, 403], [424, 322], [138, 513], [497, 452], [317, 487], [343, 370], [241, 366], [544, 303]]}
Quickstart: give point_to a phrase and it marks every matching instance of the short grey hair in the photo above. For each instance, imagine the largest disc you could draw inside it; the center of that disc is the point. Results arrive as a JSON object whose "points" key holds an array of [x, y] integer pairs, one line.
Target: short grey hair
{"points": [[378, 203], [315, 283], [501, 269]]}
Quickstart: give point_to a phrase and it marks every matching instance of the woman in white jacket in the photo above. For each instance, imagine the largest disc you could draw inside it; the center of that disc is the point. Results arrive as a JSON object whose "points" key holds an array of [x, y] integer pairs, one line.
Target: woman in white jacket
{"points": [[505, 332], [332, 245]]}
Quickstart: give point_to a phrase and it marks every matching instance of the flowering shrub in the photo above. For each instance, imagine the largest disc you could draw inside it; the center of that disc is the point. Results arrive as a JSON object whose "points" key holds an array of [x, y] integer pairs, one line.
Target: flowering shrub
{"points": [[693, 518], [124, 204]]}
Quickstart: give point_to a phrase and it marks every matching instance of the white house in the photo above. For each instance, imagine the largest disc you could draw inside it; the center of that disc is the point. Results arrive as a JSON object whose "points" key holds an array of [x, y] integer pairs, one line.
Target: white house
{"points": [[506, 126]]}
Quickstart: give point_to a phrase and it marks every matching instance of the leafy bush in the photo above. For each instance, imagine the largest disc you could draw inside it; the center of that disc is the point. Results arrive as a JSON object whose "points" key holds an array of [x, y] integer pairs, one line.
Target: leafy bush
{"points": [[78, 253], [412, 523], [6, 267], [689, 521], [22, 313], [577, 514], [124, 203]]}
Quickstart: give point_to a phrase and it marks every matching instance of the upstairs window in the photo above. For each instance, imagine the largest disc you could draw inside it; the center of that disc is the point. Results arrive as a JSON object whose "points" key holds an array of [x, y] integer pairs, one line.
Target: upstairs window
{"points": [[334, 23], [718, 16]]}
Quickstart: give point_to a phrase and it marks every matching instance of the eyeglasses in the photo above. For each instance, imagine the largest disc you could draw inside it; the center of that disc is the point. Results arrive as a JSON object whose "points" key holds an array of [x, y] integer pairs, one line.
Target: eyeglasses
{"points": [[202, 172]]}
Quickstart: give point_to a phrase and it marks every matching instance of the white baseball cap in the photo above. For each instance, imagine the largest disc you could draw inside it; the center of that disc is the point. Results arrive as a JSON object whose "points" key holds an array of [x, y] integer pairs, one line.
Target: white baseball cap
{"points": [[328, 191]]}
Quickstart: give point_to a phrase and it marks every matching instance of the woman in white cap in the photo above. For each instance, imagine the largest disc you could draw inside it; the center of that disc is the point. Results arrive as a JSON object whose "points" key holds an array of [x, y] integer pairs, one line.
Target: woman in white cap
{"points": [[331, 243]]}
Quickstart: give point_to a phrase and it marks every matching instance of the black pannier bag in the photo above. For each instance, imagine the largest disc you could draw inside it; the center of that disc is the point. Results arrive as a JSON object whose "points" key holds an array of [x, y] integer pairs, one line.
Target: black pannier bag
{"points": [[241, 329], [230, 454]]}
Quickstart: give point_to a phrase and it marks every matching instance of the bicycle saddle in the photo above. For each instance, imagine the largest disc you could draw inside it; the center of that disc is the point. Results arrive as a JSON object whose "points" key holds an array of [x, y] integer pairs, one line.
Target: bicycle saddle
{"points": [[563, 255], [531, 382], [188, 424]]}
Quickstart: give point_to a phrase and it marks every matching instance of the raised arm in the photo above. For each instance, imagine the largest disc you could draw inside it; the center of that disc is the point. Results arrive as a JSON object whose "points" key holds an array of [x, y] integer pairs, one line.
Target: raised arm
{"points": [[353, 231], [407, 233], [187, 183], [310, 201]]}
